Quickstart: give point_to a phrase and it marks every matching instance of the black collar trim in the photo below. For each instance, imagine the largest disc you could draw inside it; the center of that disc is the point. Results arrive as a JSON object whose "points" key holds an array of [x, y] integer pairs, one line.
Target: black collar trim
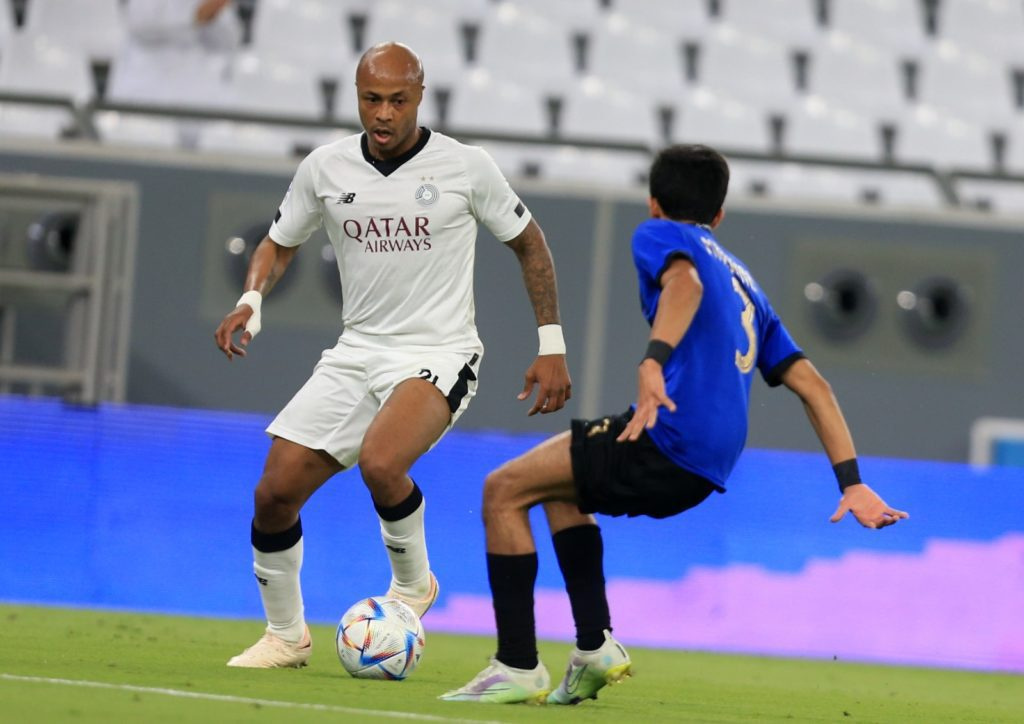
{"points": [[388, 166]]}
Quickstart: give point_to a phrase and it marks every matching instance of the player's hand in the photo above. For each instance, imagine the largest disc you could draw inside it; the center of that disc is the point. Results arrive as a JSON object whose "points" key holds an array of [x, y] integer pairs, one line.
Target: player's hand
{"points": [[869, 509], [650, 397], [239, 318], [551, 373]]}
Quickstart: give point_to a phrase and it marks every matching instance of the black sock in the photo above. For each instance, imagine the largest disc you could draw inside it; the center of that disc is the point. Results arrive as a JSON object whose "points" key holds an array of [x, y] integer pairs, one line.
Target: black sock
{"points": [[512, 579], [580, 552], [404, 509]]}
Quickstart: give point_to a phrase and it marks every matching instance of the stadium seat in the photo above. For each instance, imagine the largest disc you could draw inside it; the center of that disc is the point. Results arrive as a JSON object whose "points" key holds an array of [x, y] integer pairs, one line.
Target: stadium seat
{"points": [[897, 26], [486, 103], [992, 27], [6, 21], [860, 77], [677, 17], [963, 82], [719, 120], [790, 22], [127, 129], [817, 128], [93, 29], [945, 142], [594, 110], [525, 49], [269, 85], [313, 34], [259, 139], [576, 15], [751, 67], [616, 170], [833, 186], [36, 64], [1005, 198], [434, 35], [655, 62]]}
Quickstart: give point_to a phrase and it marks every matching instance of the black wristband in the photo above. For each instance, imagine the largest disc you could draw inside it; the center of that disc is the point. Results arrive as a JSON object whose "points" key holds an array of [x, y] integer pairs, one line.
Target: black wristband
{"points": [[659, 351], [847, 473]]}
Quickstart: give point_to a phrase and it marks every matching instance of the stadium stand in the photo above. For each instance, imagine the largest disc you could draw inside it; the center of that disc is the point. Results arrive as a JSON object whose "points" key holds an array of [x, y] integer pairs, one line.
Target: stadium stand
{"points": [[834, 85]]}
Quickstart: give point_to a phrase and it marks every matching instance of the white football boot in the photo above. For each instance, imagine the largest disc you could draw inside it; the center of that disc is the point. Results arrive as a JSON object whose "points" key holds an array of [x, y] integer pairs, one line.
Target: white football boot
{"points": [[273, 652], [590, 671], [501, 684], [419, 605]]}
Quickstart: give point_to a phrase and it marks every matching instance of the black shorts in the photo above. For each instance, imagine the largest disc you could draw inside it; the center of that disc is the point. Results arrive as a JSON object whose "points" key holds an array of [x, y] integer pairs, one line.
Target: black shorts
{"points": [[629, 478]]}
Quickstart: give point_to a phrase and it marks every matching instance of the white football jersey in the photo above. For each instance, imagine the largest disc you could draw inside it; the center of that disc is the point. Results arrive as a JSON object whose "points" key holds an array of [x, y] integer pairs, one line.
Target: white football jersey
{"points": [[404, 232]]}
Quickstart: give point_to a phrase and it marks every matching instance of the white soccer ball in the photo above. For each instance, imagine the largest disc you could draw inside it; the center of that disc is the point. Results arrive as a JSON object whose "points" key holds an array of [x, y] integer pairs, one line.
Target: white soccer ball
{"points": [[380, 638]]}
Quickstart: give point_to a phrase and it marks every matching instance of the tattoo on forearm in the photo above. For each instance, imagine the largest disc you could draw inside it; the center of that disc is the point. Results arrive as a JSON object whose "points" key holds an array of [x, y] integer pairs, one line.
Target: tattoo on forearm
{"points": [[539, 277]]}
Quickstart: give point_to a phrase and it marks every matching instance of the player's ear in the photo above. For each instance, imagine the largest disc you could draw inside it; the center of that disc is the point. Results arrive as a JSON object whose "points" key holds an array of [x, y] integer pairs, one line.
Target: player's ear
{"points": [[717, 219], [655, 208]]}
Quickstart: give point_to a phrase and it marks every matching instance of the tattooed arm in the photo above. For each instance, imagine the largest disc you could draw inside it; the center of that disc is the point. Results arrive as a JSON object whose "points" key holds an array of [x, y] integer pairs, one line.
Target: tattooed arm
{"points": [[549, 371]]}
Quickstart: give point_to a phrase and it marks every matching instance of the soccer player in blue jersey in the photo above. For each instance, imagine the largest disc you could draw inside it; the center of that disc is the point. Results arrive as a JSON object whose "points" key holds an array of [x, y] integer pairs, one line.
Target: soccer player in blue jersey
{"points": [[711, 327]]}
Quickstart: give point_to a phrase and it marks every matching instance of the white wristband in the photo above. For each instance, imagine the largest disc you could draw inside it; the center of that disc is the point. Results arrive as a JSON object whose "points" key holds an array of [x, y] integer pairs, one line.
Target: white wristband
{"points": [[255, 300], [551, 340]]}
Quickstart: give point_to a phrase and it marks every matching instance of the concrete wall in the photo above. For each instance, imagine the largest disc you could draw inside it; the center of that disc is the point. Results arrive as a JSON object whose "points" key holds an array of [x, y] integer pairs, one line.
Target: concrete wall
{"points": [[901, 398]]}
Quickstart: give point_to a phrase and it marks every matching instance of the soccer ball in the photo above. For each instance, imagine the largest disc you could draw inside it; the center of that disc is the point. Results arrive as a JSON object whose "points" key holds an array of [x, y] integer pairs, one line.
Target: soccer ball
{"points": [[380, 638]]}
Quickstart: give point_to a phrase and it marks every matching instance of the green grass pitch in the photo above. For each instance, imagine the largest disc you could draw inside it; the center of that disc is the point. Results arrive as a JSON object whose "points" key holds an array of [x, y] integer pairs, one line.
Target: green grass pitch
{"points": [[67, 665]]}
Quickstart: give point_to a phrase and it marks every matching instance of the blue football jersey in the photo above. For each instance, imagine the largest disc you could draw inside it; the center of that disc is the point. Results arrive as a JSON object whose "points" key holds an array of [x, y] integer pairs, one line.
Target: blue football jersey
{"points": [[709, 373]]}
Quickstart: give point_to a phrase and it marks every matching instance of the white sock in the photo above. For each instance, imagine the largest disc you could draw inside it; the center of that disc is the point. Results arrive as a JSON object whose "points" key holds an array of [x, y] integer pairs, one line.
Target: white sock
{"points": [[406, 543], [278, 576]]}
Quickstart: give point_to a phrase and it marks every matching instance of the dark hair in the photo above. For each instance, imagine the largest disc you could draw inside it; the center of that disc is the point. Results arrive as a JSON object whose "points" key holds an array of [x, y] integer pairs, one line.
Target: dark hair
{"points": [[689, 182]]}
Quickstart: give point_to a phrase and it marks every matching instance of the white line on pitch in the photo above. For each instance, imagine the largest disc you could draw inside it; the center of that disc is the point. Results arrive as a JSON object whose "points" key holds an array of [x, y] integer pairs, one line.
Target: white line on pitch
{"points": [[243, 699]]}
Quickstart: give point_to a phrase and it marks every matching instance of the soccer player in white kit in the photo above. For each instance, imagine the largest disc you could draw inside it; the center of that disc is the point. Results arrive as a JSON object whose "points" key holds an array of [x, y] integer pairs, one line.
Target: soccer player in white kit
{"points": [[401, 205]]}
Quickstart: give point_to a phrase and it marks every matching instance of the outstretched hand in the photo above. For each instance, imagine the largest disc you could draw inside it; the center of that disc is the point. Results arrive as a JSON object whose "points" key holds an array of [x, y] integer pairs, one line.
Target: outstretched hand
{"points": [[650, 397], [552, 374], [867, 507], [241, 317]]}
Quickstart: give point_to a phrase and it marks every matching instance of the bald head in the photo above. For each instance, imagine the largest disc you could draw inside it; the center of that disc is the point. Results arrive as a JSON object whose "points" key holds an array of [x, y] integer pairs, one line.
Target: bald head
{"points": [[390, 62], [389, 84]]}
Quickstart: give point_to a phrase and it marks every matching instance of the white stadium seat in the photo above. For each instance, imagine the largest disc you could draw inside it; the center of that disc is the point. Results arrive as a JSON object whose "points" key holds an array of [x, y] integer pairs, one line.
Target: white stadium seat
{"points": [[816, 128], [36, 64], [640, 57], [485, 103], [788, 21], [798, 183], [719, 120], [992, 27], [928, 138], [93, 28], [897, 26], [965, 83], [1005, 198], [525, 49], [595, 110], [315, 34], [754, 68]]}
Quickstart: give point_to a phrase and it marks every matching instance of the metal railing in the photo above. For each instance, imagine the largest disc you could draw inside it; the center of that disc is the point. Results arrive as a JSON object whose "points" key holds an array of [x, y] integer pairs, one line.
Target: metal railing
{"points": [[96, 290]]}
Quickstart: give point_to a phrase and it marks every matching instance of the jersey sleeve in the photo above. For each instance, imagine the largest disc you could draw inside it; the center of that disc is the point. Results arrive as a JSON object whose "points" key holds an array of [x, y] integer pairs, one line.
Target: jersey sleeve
{"points": [[492, 200], [300, 212], [778, 349], [655, 247]]}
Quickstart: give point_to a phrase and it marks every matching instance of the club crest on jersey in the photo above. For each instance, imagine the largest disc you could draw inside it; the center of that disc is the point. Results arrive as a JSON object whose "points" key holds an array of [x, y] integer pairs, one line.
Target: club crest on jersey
{"points": [[427, 195]]}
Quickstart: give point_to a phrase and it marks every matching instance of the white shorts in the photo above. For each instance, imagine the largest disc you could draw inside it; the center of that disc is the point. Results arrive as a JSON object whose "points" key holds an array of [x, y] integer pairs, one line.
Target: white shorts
{"points": [[352, 381]]}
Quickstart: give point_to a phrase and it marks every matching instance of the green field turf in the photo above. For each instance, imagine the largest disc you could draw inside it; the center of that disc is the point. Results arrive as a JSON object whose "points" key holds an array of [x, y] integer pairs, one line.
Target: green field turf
{"points": [[60, 665]]}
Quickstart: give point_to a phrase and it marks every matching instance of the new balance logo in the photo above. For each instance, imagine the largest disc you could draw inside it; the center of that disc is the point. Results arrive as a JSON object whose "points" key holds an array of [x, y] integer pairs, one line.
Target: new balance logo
{"points": [[262, 581], [396, 549], [345, 198]]}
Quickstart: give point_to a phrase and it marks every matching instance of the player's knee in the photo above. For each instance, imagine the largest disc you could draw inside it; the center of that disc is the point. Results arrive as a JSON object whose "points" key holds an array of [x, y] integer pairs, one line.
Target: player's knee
{"points": [[272, 499], [378, 470], [499, 491]]}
